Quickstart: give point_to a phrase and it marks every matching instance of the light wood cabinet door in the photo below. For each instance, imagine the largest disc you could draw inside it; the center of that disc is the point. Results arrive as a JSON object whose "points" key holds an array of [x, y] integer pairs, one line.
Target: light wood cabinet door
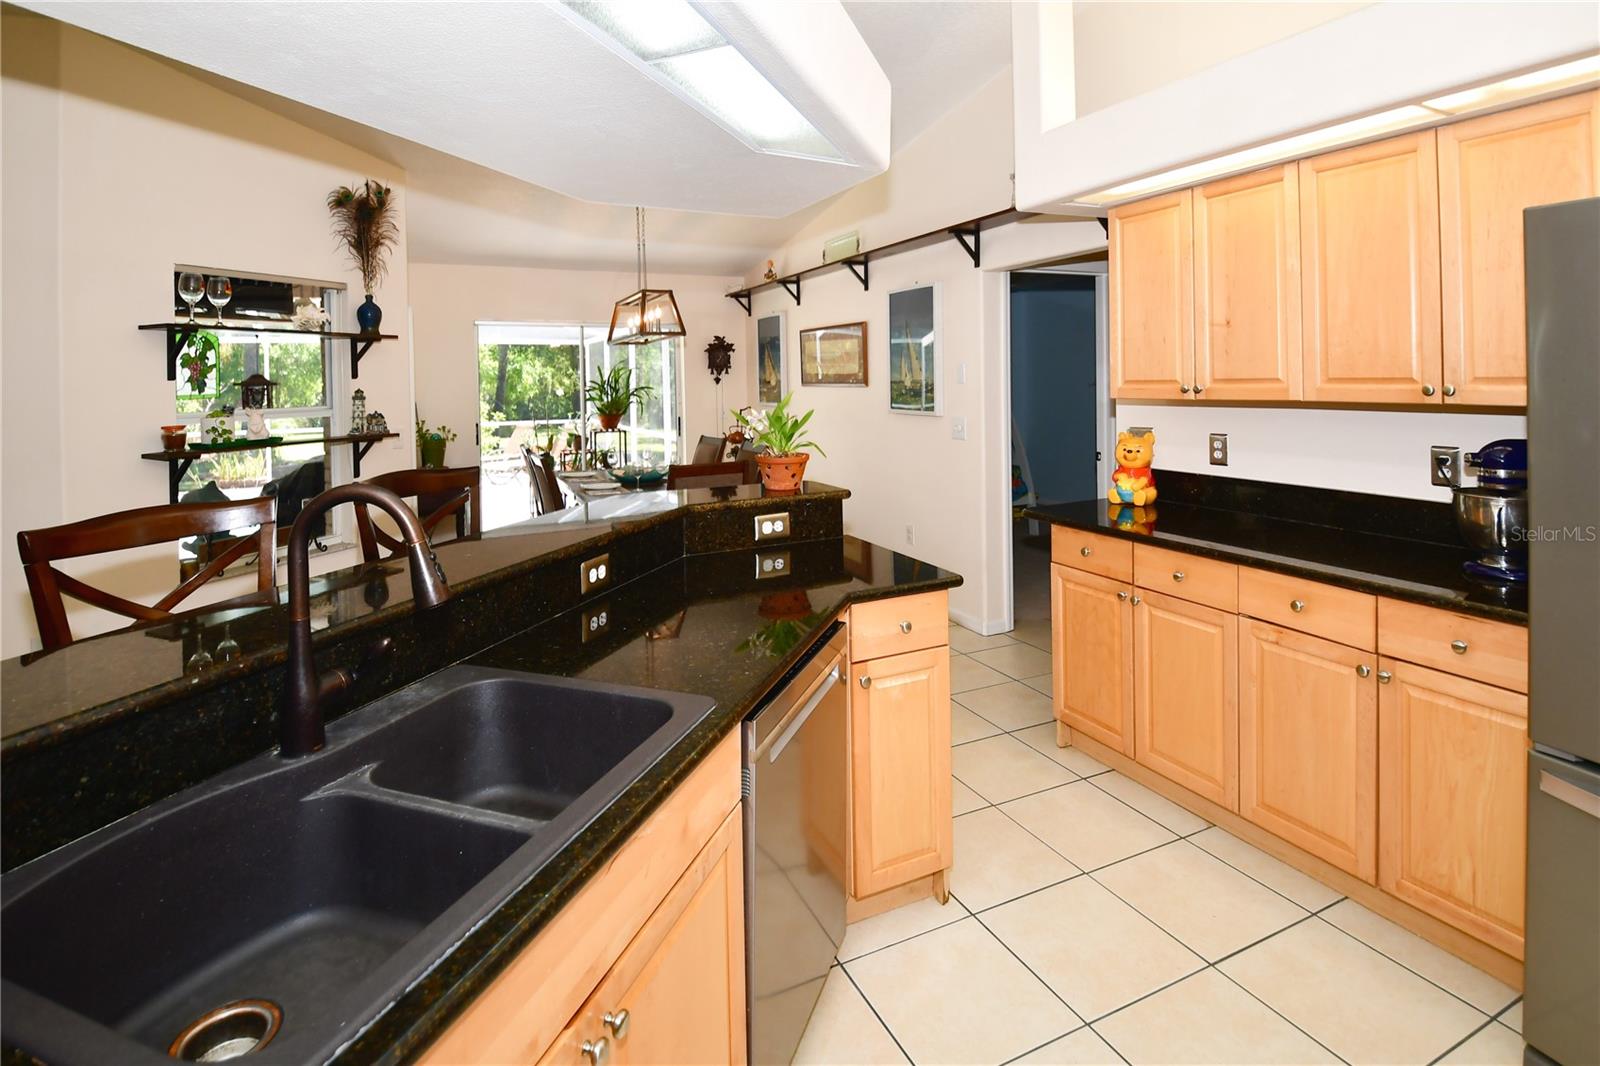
{"points": [[1247, 287], [1308, 744], [900, 763], [1151, 294], [680, 985], [1453, 775], [1369, 243], [1490, 169], [1186, 694], [1093, 662]]}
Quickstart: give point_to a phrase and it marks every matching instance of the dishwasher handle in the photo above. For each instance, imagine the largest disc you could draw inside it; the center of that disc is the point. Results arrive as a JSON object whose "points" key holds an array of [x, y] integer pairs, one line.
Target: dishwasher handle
{"points": [[789, 728]]}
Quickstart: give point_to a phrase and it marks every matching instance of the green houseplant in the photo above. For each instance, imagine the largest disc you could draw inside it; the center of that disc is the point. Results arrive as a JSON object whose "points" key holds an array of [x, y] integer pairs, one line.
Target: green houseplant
{"points": [[431, 444], [783, 435], [612, 393]]}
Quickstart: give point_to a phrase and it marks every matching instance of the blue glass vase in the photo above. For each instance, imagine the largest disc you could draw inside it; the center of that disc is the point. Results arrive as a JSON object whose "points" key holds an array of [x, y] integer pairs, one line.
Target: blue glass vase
{"points": [[369, 315]]}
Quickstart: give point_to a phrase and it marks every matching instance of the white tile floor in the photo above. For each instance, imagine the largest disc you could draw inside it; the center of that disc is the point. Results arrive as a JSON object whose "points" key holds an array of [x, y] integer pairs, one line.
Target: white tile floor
{"points": [[1093, 921]]}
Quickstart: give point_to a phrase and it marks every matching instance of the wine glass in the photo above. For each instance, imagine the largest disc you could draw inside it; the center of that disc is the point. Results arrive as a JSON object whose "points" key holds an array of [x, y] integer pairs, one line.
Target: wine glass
{"points": [[200, 660], [220, 290], [191, 287], [228, 648]]}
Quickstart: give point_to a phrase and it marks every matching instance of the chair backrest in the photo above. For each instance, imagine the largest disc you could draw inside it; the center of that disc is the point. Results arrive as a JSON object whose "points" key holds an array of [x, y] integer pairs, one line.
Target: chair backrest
{"points": [[542, 481], [439, 493], [744, 453], [709, 450], [710, 475], [135, 529]]}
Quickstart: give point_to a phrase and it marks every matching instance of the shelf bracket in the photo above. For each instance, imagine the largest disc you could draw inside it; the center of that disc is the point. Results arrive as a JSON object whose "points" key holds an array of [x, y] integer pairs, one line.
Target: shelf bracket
{"points": [[970, 247], [358, 348], [742, 298], [178, 335], [861, 275], [176, 468], [358, 452], [795, 290], [1105, 224]]}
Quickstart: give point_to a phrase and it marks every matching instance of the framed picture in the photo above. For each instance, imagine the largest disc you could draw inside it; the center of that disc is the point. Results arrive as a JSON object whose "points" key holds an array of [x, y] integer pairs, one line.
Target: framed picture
{"points": [[915, 384], [834, 355], [769, 359]]}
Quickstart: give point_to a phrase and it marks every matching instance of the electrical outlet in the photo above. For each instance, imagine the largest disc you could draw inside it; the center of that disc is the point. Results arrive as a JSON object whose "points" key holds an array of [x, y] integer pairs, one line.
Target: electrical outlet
{"points": [[596, 621], [1219, 449], [594, 573], [772, 526], [958, 428], [772, 564], [909, 536], [1444, 465]]}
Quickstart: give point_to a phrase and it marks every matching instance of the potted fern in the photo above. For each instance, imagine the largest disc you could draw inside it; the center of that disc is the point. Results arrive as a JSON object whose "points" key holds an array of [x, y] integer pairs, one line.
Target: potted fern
{"points": [[783, 464], [611, 394]]}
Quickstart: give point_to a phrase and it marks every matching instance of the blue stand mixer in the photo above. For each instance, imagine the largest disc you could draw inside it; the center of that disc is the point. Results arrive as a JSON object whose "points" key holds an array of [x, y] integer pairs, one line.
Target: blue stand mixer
{"points": [[1493, 514]]}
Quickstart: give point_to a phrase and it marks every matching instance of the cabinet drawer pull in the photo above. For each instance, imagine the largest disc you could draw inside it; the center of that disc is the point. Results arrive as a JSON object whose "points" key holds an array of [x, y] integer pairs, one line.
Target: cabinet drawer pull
{"points": [[1459, 647], [1297, 606], [1384, 677], [1122, 595], [617, 1022], [1136, 600], [905, 626], [1177, 575], [1084, 551], [866, 682], [1363, 670], [598, 1052]]}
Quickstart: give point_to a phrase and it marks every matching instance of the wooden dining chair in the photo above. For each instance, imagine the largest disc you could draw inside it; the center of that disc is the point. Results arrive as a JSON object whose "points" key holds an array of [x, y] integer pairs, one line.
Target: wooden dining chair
{"points": [[137, 528], [710, 475], [439, 494], [708, 450], [546, 491]]}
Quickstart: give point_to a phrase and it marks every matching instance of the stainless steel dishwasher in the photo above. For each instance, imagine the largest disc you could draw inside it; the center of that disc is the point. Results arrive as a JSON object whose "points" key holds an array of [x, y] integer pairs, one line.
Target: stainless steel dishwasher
{"points": [[796, 781]]}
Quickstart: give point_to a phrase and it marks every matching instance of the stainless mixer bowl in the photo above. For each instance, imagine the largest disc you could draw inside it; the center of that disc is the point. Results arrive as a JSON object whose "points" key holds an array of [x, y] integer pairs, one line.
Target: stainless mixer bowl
{"points": [[1493, 522]]}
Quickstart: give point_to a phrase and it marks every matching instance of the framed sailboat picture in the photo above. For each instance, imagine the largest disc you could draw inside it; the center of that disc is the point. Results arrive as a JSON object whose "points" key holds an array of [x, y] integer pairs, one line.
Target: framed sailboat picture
{"points": [[915, 384], [769, 359], [834, 355]]}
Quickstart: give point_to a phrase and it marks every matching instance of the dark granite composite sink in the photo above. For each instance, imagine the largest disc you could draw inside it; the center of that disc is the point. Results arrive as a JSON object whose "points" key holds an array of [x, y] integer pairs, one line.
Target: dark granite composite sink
{"points": [[320, 887]]}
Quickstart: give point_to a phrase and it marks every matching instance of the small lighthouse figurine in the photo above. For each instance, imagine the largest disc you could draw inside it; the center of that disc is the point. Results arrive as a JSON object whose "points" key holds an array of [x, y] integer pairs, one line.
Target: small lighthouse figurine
{"points": [[358, 411]]}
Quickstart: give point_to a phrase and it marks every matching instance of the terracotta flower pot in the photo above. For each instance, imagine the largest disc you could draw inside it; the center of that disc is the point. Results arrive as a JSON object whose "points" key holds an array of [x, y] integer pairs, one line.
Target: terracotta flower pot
{"points": [[610, 421], [782, 475]]}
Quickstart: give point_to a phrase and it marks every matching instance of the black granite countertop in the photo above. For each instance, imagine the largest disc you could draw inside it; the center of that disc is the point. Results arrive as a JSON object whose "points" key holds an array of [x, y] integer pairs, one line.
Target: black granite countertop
{"points": [[1406, 568]]}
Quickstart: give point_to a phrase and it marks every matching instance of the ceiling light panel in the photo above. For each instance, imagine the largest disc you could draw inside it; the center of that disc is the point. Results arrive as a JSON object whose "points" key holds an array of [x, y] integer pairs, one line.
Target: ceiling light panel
{"points": [[673, 43]]}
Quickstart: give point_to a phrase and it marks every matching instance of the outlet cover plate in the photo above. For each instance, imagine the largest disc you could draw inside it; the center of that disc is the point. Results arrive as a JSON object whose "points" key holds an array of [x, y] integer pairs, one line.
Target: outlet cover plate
{"points": [[1218, 450], [594, 573], [772, 563], [1444, 465], [772, 526]]}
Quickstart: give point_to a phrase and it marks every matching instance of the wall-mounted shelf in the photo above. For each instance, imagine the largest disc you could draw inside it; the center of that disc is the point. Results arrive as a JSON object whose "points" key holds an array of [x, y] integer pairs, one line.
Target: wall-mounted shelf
{"points": [[179, 333], [178, 460], [967, 234]]}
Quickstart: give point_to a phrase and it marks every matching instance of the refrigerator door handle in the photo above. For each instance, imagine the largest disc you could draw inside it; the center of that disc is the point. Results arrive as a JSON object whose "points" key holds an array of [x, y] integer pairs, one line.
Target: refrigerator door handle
{"points": [[1570, 794]]}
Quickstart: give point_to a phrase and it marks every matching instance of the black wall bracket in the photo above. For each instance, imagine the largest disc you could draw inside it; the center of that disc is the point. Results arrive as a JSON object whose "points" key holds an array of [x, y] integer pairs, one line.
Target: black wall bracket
{"points": [[792, 287], [177, 337], [358, 452], [742, 298], [970, 247], [1105, 224], [861, 275], [176, 468], [358, 348]]}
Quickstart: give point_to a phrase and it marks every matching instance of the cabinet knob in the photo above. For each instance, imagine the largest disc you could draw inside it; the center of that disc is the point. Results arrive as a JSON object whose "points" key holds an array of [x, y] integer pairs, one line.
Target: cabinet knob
{"points": [[1297, 606], [598, 1052], [1084, 551], [905, 626], [1198, 389], [1449, 390], [866, 682], [1136, 600], [1122, 595], [1427, 390], [1184, 389], [1177, 575], [1363, 670], [1459, 647], [617, 1022], [1384, 676]]}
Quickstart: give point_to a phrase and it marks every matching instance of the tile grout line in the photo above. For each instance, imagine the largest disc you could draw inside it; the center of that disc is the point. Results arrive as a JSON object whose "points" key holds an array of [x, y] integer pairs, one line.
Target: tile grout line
{"points": [[1024, 964], [1287, 1020], [1408, 969], [1439, 1057], [862, 993]]}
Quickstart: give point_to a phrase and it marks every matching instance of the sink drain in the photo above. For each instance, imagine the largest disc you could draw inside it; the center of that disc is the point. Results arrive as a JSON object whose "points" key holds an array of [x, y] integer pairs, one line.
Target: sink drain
{"points": [[228, 1031]]}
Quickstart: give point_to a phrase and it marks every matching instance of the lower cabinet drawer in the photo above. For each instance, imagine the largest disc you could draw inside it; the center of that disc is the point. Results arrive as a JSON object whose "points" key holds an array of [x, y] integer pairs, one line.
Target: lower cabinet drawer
{"points": [[1189, 577], [1342, 615], [1098, 554], [1484, 650], [901, 624]]}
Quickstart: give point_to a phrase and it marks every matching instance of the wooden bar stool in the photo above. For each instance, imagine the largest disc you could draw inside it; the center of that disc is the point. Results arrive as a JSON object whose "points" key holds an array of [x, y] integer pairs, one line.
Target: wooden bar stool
{"points": [[135, 529], [439, 494]]}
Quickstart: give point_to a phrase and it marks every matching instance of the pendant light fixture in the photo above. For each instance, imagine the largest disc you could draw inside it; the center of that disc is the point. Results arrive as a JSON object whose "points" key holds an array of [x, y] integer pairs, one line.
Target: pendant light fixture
{"points": [[648, 314]]}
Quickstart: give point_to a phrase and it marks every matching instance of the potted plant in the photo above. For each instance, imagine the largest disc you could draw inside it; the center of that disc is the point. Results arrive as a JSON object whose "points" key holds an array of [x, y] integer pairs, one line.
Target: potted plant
{"points": [[783, 465], [431, 444], [611, 395], [363, 221]]}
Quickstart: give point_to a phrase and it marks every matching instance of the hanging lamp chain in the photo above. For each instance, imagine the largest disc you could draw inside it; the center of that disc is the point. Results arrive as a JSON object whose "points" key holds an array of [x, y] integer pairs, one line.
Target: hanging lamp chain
{"points": [[638, 229]]}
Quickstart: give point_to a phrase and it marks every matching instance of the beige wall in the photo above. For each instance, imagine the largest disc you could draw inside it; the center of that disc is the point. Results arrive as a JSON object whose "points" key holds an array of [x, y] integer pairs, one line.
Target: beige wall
{"points": [[117, 167], [447, 302], [1123, 49]]}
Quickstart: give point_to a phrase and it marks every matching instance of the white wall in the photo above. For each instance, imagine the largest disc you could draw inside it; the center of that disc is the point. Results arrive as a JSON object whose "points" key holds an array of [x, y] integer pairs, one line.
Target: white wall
{"points": [[447, 301], [117, 167], [1382, 452]]}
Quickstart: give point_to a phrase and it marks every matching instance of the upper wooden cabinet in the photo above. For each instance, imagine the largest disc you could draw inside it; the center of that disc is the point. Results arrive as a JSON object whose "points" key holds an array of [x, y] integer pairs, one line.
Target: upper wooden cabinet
{"points": [[1490, 169], [1369, 242], [1247, 287], [1152, 298]]}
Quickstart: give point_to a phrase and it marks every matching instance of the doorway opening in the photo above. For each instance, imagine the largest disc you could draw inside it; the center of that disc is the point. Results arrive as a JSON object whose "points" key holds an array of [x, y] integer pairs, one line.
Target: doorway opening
{"points": [[1059, 413]]}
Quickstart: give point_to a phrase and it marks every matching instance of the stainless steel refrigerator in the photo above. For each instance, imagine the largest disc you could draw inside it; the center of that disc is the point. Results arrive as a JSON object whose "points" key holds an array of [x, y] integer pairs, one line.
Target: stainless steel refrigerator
{"points": [[1561, 1014]]}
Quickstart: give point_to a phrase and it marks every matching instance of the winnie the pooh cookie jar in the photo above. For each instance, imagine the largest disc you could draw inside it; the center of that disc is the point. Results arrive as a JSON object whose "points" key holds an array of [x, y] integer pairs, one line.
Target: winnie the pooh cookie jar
{"points": [[1133, 481]]}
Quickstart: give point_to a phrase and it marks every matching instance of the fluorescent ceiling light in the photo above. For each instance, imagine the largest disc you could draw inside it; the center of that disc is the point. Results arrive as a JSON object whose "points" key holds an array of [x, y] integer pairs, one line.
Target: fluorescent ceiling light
{"points": [[670, 41], [1550, 79]]}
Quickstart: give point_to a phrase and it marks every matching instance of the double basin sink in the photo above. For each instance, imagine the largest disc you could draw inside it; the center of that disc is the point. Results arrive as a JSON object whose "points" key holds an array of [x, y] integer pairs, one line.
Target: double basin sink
{"points": [[277, 909]]}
